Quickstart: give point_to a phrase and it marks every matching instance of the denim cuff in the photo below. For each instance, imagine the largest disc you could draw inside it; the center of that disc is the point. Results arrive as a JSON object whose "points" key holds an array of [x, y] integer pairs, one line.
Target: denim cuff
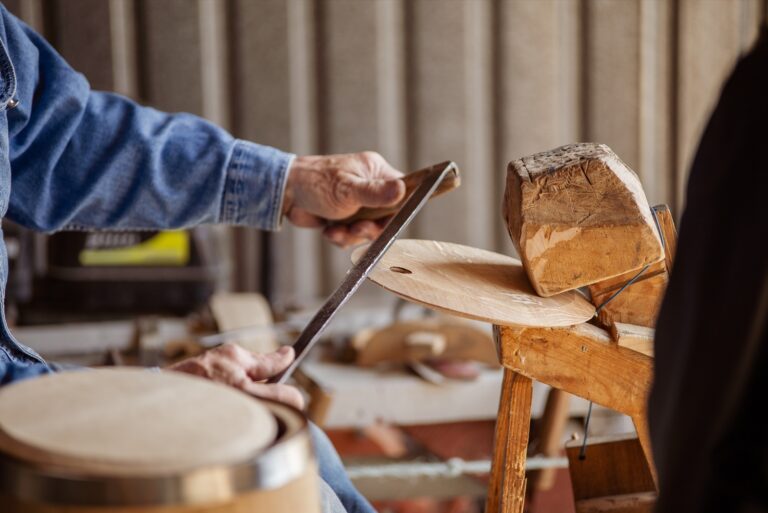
{"points": [[255, 186]]}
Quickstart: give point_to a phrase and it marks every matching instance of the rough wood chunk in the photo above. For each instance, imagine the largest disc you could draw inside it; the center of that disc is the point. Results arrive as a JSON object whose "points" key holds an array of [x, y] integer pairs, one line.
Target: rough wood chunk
{"points": [[636, 338], [639, 303], [578, 215]]}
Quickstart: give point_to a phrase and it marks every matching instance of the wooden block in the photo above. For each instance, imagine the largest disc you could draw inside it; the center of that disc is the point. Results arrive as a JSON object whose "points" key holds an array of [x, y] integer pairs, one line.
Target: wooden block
{"points": [[615, 283], [613, 468], [582, 360], [233, 311], [578, 215], [637, 304], [400, 342], [636, 338]]}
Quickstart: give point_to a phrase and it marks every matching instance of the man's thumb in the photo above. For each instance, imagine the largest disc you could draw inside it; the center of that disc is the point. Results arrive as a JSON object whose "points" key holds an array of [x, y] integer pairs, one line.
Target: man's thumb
{"points": [[379, 192]]}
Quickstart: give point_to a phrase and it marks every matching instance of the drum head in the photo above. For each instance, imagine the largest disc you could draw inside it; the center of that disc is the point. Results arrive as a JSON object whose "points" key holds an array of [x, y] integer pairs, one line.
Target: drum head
{"points": [[473, 283], [131, 422]]}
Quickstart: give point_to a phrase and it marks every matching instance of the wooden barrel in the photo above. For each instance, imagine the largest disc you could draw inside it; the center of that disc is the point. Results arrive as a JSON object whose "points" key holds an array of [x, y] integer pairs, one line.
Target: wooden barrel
{"points": [[136, 441]]}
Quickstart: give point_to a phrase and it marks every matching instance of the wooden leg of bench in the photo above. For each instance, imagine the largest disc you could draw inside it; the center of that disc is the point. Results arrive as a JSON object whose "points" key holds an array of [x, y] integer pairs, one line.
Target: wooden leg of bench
{"points": [[641, 425], [506, 491]]}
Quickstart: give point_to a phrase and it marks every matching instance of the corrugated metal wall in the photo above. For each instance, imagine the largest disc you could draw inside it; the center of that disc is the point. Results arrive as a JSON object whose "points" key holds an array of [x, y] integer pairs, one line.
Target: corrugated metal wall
{"points": [[477, 81]]}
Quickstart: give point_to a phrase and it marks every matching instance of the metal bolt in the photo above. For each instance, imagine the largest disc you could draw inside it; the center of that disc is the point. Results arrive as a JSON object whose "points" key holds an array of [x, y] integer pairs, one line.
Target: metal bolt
{"points": [[12, 103]]}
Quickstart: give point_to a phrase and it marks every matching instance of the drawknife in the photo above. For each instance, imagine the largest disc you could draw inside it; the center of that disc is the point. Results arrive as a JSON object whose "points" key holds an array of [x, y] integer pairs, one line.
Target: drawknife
{"points": [[421, 185]]}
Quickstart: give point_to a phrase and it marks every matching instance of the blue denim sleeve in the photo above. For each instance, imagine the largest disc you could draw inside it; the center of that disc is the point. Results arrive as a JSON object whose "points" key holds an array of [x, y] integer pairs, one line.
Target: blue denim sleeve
{"points": [[14, 371], [91, 160]]}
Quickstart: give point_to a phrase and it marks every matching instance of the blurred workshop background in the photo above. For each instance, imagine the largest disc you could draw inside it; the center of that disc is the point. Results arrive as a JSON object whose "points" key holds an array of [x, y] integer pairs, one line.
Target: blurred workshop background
{"points": [[480, 82]]}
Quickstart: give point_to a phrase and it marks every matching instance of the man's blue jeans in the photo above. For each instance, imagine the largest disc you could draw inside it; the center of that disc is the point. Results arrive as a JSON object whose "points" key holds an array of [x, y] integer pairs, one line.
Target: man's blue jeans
{"points": [[332, 472]]}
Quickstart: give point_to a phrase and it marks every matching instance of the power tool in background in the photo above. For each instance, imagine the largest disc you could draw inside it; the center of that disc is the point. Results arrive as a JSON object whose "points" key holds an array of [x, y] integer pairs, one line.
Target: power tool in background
{"points": [[73, 275]]}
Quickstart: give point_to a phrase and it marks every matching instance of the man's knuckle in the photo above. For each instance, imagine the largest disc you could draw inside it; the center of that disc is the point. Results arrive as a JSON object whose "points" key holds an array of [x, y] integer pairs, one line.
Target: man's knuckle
{"points": [[227, 349]]}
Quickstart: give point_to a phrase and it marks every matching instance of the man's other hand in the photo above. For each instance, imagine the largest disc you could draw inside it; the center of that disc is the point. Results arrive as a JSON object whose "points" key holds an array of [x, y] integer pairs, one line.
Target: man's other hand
{"points": [[232, 365], [326, 188]]}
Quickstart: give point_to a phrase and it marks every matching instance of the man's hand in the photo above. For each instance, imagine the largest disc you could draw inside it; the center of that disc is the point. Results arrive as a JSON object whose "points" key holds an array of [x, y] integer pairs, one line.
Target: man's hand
{"points": [[326, 188], [232, 365]]}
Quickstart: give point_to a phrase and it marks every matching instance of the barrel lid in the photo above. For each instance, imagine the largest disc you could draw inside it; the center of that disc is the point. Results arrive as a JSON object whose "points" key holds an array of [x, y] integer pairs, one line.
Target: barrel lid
{"points": [[131, 422], [473, 283]]}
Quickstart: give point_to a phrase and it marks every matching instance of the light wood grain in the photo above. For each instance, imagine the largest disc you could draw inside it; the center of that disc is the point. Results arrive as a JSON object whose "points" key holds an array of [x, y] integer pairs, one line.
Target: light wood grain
{"points": [[637, 304], [636, 338], [582, 360], [394, 343], [472, 283], [578, 215], [244, 310], [506, 490], [131, 422], [668, 230]]}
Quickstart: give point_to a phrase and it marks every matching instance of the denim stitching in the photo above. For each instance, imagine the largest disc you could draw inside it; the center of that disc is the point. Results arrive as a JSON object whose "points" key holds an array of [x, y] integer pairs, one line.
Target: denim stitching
{"points": [[232, 186], [8, 76], [277, 194]]}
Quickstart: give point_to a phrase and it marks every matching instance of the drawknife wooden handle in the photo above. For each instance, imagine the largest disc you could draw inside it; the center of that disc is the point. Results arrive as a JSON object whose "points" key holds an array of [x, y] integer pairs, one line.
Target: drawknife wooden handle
{"points": [[412, 181]]}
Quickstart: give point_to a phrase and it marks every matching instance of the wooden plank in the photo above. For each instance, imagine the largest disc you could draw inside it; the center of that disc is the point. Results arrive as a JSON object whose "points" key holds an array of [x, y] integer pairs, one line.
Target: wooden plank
{"points": [[611, 466], [581, 360], [449, 90], [31, 11], [636, 338], [299, 278], [350, 78], [612, 69], [365, 396], [259, 48], [276, 39], [637, 304], [83, 37], [655, 146], [214, 62], [629, 503], [171, 60], [360, 104], [536, 56], [506, 489], [709, 43]]}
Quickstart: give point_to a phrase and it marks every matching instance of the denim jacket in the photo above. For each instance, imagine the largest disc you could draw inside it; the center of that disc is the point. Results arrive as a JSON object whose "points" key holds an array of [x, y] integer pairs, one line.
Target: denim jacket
{"points": [[76, 159]]}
